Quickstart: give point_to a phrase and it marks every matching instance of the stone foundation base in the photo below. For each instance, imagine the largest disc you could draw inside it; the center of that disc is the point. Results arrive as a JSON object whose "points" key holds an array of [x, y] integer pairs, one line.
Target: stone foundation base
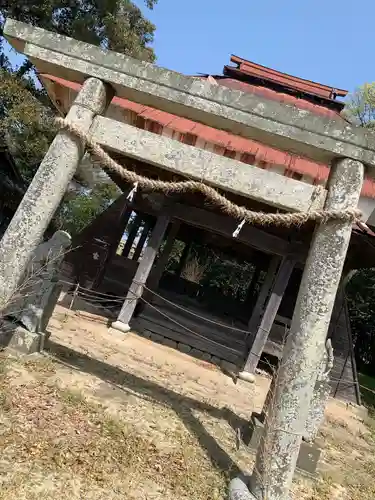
{"points": [[16, 337], [229, 368], [120, 326], [246, 376], [309, 453]]}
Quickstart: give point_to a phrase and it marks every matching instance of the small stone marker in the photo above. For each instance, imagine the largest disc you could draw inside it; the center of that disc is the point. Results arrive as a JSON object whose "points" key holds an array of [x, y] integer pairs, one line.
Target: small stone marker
{"points": [[33, 306]]}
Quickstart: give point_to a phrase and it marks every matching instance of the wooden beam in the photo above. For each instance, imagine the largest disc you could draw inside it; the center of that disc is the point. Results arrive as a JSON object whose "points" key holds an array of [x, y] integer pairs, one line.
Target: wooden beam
{"points": [[280, 284], [225, 225], [218, 171]]}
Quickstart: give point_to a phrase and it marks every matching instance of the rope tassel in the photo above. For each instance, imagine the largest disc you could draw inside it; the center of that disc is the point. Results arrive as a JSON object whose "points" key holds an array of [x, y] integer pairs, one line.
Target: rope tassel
{"points": [[132, 193], [211, 195], [237, 231]]}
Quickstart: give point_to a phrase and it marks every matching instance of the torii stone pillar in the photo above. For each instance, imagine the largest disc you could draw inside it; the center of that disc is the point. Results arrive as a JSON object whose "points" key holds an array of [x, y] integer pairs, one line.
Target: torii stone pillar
{"points": [[47, 188], [278, 452]]}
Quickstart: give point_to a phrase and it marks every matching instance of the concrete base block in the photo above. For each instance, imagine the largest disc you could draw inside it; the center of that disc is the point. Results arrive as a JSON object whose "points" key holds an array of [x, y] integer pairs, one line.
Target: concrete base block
{"points": [[16, 337], [238, 490], [157, 338], [309, 453], [169, 343], [196, 353], [247, 377], [228, 367], [120, 326], [146, 334], [184, 348], [206, 356]]}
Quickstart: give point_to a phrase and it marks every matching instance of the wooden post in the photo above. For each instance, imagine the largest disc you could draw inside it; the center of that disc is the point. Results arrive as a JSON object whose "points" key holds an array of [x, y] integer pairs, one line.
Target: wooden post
{"points": [[162, 261], [249, 301], [278, 452], [262, 297], [143, 271], [142, 239], [184, 258], [280, 284], [132, 235], [122, 223]]}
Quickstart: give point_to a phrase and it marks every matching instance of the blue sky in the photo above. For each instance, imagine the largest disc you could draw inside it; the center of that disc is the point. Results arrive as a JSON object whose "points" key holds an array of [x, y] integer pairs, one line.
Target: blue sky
{"points": [[329, 42]]}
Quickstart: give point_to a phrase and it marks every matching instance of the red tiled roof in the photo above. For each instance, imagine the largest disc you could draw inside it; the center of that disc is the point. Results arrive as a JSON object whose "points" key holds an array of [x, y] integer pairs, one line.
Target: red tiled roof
{"points": [[261, 152], [281, 97], [293, 82]]}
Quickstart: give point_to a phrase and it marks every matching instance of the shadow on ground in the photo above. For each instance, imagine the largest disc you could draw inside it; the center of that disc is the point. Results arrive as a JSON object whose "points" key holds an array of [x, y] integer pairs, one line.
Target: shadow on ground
{"points": [[182, 405]]}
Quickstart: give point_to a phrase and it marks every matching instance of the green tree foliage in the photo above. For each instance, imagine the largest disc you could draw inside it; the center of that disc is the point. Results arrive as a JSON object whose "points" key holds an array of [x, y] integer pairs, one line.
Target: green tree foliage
{"points": [[78, 210], [361, 299], [25, 111], [115, 24], [360, 110], [25, 123]]}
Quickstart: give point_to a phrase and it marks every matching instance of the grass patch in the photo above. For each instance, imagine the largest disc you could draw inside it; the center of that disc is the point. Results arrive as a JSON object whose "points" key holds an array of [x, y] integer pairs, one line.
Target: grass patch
{"points": [[4, 364], [40, 364], [72, 397], [63, 446], [322, 490]]}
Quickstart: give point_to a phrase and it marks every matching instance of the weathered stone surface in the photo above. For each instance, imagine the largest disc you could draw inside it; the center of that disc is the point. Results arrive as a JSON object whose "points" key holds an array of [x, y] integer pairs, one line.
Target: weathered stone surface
{"points": [[16, 337], [277, 455], [238, 490], [50, 305], [321, 394], [184, 348], [35, 303], [46, 190], [218, 171], [246, 114], [309, 453]]}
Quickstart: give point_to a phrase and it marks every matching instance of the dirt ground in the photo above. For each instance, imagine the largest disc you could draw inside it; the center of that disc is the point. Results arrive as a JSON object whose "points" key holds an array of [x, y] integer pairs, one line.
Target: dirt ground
{"points": [[102, 415]]}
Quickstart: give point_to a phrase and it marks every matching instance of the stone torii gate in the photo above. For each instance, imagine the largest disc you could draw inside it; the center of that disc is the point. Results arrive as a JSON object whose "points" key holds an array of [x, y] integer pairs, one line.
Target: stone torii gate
{"points": [[348, 149]]}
